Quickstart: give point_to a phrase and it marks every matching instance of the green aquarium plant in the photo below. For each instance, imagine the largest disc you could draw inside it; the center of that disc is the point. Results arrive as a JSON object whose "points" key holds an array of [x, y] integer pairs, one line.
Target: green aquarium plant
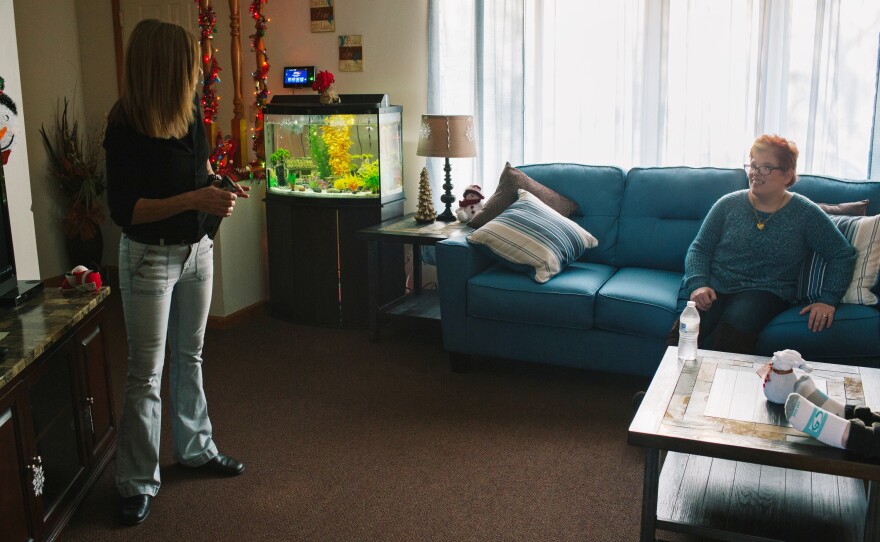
{"points": [[369, 173], [320, 155], [300, 163]]}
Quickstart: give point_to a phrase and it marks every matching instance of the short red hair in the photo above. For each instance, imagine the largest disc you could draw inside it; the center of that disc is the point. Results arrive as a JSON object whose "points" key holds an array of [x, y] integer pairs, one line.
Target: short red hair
{"points": [[786, 151]]}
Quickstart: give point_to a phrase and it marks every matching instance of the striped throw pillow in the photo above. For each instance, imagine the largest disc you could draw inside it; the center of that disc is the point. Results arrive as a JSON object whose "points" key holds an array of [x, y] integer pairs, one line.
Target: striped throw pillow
{"points": [[530, 236], [863, 233]]}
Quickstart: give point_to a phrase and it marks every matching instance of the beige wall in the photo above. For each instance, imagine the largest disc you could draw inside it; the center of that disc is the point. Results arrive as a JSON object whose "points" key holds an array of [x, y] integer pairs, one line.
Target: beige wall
{"points": [[82, 61]]}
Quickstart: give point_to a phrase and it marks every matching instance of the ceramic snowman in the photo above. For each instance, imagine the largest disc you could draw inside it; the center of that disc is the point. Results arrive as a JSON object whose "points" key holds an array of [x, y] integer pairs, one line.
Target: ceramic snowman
{"points": [[779, 376]]}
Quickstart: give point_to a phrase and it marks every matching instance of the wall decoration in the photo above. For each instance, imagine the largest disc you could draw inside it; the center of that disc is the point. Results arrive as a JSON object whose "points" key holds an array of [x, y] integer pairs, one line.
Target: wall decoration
{"points": [[351, 53], [210, 66], [8, 124], [321, 13]]}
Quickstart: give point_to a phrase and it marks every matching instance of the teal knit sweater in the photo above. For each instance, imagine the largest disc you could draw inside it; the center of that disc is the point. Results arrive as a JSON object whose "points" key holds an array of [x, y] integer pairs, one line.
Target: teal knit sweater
{"points": [[730, 254]]}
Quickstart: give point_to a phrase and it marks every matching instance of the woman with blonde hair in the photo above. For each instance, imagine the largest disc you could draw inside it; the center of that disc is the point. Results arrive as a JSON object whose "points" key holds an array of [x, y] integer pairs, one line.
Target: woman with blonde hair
{"points": [[160, 191], [742, 268]]}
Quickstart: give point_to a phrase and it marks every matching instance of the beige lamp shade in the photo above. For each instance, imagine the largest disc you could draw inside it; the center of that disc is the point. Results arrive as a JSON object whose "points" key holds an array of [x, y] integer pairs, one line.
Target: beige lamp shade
{"points": [[449, 136]]}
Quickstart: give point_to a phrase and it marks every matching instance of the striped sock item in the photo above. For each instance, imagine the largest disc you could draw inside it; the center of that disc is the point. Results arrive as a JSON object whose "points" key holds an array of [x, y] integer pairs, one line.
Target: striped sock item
{"points": [[806, 387], [815, 421]]}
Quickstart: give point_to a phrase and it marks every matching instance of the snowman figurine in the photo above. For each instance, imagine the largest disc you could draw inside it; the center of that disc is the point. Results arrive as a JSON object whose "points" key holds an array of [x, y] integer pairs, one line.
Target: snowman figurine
{"points": [[779, 376], [470, 204], [8, 124]]}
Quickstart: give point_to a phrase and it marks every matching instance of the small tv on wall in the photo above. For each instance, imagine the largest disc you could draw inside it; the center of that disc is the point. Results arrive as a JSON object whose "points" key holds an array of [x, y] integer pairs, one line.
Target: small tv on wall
{"points": [[299, 76]]}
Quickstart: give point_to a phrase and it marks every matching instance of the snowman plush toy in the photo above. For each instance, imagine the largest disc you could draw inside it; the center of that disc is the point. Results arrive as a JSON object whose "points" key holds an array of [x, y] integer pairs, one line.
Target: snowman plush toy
{"points": [[470, 204]]}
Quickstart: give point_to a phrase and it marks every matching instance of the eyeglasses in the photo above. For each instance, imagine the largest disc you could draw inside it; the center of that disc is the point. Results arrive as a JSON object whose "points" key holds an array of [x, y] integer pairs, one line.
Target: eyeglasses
{"points": [[762, 170]]}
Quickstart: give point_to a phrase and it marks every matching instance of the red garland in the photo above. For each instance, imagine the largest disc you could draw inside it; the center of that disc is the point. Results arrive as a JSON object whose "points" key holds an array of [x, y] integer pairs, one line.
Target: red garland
{"points": [[221, 157], [209, 100], [261, 75]]}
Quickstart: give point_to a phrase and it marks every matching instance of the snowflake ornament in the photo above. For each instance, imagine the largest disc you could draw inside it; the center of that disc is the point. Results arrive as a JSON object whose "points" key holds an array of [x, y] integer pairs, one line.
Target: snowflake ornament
{"points": [[425, 131]]}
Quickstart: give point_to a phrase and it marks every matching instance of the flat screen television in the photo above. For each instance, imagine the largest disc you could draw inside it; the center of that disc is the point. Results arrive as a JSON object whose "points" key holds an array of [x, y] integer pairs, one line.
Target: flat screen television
{"points": [[12, 291]]}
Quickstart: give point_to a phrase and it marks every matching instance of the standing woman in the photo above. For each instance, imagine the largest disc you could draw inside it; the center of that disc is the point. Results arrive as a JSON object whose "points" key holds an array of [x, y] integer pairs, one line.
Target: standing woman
{"points": [[742, 268], [160, 191]]}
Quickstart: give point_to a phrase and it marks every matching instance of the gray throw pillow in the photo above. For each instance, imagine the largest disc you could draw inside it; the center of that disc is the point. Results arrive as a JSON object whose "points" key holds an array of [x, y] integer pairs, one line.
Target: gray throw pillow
{"points": [[512, 180]]}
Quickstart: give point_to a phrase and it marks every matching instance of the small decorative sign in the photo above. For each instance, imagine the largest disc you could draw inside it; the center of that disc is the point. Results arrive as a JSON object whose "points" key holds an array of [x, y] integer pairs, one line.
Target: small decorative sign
{"points": [[322, 18], [351, 53]]}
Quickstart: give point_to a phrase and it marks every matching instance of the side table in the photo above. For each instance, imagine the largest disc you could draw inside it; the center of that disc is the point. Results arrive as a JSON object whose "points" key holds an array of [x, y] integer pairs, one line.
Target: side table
{"points": [[405, 230]]}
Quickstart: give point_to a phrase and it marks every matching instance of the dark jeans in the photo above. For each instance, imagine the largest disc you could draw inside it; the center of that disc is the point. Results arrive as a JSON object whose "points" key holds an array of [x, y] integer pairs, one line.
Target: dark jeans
{"points": [[734, 321]]}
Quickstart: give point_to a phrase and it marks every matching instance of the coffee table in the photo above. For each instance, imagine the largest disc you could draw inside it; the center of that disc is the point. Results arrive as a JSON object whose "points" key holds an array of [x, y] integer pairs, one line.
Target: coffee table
{"points": [[734, 469]]}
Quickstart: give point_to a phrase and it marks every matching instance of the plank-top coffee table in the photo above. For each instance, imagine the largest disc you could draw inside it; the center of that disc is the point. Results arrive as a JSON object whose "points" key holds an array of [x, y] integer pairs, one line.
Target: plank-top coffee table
{"points": [[734, 468]]}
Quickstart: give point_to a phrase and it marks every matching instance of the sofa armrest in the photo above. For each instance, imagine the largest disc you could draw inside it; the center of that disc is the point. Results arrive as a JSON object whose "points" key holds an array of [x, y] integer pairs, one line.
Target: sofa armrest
{"points": [[457, 262]]}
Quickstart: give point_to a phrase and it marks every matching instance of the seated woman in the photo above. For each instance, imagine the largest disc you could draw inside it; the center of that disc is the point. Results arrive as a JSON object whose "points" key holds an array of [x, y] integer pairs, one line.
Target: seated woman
{"points": [[742, 268]]}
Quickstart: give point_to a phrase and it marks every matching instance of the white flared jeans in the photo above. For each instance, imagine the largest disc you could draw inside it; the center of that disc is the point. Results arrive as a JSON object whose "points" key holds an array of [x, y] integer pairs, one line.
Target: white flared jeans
{"points": [[166, 295]]}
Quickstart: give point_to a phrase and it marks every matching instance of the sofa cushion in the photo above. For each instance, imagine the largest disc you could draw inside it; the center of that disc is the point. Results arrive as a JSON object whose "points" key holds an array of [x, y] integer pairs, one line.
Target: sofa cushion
{"points": [[863, 232], [832, 190], [598, 192], [511, 181], [854, 333], [663, 209], [566, 301], [531, 237], [638, 301]]}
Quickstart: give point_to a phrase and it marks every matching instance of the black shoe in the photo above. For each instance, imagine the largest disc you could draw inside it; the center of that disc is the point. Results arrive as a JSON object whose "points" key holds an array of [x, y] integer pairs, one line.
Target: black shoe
{"points": [[135, 509], [225, 465]]}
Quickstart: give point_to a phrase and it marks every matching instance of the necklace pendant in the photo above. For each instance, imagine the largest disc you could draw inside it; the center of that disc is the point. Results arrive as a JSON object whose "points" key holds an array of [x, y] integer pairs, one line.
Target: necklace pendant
{"points": [[760, 225]]}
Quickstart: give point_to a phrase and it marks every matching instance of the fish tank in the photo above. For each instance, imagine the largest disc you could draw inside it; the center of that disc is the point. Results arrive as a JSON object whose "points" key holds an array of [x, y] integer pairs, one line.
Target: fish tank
{"points": [[347, 150]]}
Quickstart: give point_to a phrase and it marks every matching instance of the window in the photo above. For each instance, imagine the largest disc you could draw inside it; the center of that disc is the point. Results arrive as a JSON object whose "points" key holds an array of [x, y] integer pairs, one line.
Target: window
{"points": [[658, 82]]}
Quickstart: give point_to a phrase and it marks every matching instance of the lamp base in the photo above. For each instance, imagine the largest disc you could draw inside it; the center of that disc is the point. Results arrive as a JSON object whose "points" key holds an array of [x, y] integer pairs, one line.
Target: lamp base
{"points": [[447, 197], [446, 216]]}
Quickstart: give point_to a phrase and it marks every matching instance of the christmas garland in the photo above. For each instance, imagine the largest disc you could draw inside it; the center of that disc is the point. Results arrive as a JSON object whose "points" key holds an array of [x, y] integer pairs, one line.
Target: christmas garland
{"points": [[261, 75], [208, 26], [221, 157]]}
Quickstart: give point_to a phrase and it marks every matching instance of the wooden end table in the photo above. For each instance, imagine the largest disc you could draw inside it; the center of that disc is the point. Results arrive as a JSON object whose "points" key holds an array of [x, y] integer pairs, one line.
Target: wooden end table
{"points": [[734, 468], [405, 230]]}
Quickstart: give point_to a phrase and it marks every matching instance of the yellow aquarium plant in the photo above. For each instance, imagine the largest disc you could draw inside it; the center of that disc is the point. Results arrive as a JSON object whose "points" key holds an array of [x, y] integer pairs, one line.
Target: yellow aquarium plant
{"points": [[337, 135]]}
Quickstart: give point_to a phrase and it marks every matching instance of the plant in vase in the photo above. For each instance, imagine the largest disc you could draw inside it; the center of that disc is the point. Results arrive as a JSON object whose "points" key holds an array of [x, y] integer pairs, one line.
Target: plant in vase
{"points": [[74, 164], [323, 85], [278, 158]]}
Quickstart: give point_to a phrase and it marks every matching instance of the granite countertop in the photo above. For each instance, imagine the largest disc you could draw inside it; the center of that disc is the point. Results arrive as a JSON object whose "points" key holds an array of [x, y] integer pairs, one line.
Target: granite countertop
{"points": [[36, 324]]}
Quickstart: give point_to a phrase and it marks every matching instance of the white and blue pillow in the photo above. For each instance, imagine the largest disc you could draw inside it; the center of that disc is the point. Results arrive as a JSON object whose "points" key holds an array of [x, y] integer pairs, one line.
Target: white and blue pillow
{"points": [[530, 236], [863, 233]]}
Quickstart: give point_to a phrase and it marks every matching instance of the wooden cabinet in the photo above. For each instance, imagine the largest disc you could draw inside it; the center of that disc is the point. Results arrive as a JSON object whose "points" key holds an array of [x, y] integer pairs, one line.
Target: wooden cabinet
{"points": [[15, 492], [57, 431], [318, 272]]}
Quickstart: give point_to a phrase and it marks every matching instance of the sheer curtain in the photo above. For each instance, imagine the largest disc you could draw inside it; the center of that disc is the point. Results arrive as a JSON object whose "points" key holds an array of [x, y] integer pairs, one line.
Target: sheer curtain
{"points": [[658, 82]]}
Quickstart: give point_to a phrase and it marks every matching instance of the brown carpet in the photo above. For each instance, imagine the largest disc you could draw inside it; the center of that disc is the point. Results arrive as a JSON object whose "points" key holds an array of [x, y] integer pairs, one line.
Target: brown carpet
{"points": [[347, 440]]}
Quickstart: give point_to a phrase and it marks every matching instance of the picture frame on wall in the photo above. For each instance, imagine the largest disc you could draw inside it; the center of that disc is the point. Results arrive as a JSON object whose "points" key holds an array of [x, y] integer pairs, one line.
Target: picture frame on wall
{"points": [[321, 16], [351, 53]]}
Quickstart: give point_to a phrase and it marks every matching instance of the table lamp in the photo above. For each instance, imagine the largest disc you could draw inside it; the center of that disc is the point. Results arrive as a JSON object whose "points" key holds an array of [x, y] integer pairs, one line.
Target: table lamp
{"points": [[447, 136]]}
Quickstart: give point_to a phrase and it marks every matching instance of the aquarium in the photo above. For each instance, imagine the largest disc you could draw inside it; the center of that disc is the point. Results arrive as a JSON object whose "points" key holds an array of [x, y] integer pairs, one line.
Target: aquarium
{"points": [[352, 149]]}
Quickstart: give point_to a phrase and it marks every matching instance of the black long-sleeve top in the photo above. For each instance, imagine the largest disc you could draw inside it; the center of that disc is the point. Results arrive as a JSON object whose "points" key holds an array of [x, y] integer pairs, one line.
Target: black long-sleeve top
{"points": [[139, 166]]}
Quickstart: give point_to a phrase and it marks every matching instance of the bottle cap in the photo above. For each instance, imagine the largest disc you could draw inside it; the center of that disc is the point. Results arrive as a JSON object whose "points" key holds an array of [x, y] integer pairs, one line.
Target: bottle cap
{"points": [[692, 303]]}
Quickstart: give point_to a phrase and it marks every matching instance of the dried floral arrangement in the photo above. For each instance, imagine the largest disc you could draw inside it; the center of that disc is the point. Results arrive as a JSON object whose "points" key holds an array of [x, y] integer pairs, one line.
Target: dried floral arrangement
{"points": [[74, 164]]}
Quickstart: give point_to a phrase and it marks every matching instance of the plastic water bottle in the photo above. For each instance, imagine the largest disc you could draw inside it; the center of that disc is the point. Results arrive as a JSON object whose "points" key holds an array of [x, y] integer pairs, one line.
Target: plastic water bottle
{"points": [[688, 332]]}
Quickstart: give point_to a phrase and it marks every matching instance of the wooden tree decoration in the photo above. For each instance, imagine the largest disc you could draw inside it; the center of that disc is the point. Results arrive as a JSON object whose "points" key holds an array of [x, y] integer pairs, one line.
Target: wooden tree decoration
{"points": [[425, 212]]}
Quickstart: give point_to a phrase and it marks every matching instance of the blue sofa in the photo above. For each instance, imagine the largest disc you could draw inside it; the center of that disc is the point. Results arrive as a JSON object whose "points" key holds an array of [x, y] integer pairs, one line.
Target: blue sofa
{"points": [[612, 309]]}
